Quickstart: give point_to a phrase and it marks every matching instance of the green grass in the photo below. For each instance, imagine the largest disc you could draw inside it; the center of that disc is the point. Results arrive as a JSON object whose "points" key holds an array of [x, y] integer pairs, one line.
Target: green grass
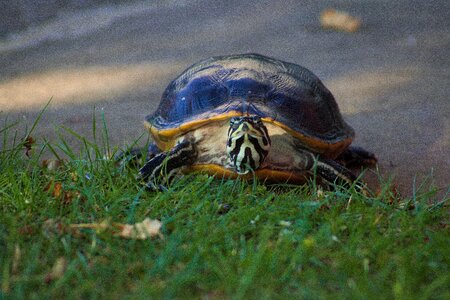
{"points": [[221, 238]]}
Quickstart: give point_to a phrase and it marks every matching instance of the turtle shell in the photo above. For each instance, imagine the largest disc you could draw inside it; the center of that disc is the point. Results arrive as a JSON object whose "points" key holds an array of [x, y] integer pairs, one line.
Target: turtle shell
{"points": [[281, 93]]}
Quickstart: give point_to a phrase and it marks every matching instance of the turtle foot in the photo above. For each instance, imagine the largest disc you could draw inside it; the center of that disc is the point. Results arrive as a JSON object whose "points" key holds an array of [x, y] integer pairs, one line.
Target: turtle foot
{"points": [[163, 167], [355, 157]]}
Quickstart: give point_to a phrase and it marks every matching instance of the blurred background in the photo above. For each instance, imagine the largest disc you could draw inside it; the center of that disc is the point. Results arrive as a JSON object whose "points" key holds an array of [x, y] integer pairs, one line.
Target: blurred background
{"points": [[391, 77]]}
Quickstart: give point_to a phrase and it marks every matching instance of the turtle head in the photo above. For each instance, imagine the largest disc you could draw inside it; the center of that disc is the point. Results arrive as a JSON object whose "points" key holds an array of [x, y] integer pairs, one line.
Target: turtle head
{"points": [[248, 143]]}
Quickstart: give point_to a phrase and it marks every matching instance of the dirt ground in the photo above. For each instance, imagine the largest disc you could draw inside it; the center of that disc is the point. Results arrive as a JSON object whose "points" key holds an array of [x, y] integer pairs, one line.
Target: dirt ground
{"points": [[391, 78]]}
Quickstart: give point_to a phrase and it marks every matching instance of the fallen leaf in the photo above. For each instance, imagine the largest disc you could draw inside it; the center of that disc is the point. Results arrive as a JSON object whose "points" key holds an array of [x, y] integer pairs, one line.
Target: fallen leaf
{"points": [[54, 188], [57, 191], [339, 20], [52, 164], [28, 144], [140, 231]]}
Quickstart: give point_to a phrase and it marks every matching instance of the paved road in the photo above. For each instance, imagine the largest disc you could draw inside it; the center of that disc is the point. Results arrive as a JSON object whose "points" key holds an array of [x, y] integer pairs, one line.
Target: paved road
{"points": [[391, 78]]}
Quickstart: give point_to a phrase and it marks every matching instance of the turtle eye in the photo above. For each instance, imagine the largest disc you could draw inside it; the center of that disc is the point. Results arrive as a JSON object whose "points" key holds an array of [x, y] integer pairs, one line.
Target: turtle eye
{"points": [[235, 121], [256, 120]]}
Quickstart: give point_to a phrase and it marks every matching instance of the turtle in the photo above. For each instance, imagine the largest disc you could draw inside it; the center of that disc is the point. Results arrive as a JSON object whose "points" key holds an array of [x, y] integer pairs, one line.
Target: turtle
{"points": [[250, 116]]}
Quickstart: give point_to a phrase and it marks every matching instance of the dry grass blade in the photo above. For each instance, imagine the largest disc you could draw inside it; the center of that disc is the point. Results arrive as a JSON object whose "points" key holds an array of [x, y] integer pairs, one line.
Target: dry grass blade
{"points": [[58, 269]]}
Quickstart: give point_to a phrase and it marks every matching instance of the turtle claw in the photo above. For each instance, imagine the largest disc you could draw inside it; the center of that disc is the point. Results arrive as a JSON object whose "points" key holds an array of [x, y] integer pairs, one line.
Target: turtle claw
{"points": [[357, 157]]}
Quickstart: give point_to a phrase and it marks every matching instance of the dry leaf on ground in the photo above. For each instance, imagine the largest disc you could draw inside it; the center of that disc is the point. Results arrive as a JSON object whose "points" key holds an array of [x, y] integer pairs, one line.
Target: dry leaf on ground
{"points": [[54, 188], [52, 164], [339, 20], [57, 191], [28, 145], [141, 231]]}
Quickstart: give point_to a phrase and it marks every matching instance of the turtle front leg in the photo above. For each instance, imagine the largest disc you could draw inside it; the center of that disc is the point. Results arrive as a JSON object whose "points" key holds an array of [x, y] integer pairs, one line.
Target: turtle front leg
{"points": [[355, 156], [333, 173], [159, 170], [329, 172]]}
